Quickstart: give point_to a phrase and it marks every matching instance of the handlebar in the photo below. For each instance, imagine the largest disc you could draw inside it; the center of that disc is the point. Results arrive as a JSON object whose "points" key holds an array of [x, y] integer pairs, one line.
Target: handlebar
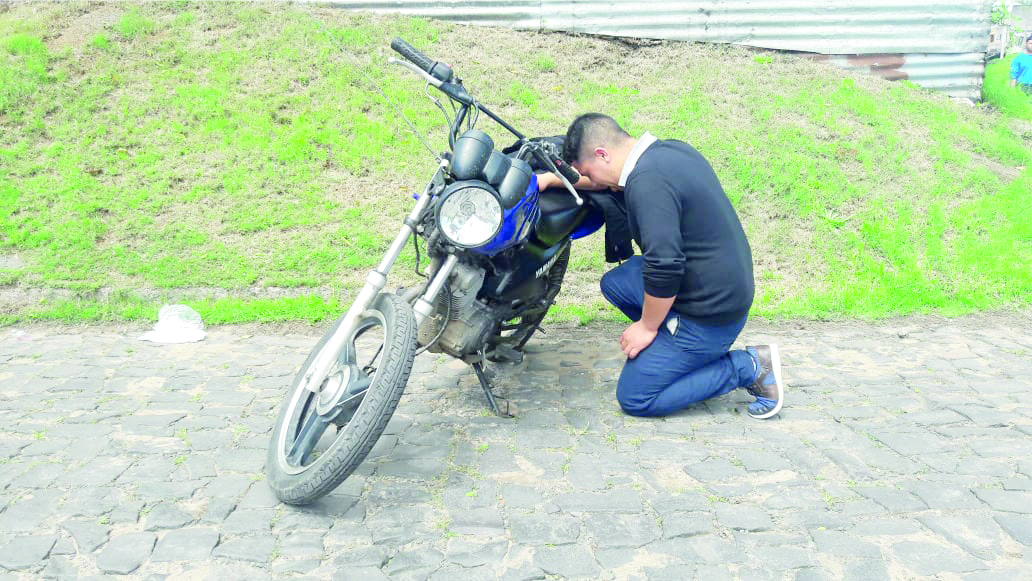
{"points": [[435, 69], [441, 75]]}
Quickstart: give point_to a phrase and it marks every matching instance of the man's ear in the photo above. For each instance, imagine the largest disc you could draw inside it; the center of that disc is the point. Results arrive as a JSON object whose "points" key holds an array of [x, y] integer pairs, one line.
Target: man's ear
{"points": [[602, 152]]}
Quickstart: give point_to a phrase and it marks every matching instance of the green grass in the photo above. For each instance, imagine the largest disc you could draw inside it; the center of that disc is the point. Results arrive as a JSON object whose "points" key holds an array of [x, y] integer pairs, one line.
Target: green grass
{"points": [[179, 147], [998, 92]]}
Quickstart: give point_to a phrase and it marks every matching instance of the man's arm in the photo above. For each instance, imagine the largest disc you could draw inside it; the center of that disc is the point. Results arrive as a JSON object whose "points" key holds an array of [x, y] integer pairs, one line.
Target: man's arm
{"points": [[550, 180], [1015, 71]]}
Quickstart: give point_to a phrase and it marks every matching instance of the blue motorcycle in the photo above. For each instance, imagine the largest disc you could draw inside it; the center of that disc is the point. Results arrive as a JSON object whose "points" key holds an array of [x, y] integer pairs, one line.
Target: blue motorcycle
{"points": [[498, 249]]}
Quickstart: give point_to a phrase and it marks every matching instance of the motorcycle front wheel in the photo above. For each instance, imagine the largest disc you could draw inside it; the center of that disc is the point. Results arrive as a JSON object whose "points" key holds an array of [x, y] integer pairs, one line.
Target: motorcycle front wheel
{"points": [[322, 436]]}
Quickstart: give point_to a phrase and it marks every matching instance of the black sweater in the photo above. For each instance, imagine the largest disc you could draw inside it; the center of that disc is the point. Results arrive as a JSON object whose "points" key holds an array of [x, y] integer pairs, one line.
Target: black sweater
{"points": [[692, 243]]}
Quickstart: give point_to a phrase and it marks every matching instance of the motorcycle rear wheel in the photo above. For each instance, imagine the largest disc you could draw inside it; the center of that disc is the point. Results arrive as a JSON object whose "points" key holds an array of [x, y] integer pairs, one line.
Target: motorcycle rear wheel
{"points": [[311, 453]]}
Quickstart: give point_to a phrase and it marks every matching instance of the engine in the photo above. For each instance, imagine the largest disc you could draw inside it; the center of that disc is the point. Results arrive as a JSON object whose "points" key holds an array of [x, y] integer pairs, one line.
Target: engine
{"points": [[469, 321]]}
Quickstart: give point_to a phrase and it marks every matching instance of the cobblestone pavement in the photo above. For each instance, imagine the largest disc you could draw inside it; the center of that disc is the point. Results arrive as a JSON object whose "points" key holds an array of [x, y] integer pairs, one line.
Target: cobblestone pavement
{"points": [[903, 453]]}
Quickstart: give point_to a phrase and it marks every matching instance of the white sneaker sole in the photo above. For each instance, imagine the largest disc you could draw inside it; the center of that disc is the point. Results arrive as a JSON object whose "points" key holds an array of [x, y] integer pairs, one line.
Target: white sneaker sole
{"points": [[775, 363]]}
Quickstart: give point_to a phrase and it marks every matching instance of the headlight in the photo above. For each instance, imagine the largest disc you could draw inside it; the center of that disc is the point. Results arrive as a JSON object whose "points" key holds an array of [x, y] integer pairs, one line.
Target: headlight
{"points": [[469, 214]]}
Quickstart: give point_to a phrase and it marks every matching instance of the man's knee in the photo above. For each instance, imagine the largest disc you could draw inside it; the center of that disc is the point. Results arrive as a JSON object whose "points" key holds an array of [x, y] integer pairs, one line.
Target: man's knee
{"points": [[606, 285], [633, 404]]}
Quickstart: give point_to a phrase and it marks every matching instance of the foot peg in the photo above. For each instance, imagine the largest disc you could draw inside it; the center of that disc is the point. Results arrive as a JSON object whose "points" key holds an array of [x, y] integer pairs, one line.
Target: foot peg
{"points": [[505, 354]]}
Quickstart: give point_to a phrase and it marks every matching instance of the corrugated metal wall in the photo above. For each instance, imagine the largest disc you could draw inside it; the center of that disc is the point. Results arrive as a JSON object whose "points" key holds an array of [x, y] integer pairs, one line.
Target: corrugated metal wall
{"points": [[939, 44]]}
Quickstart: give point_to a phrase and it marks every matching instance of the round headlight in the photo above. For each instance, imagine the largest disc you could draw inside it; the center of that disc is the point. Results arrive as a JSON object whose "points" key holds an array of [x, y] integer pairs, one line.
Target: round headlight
{"points": [[469, 214]]}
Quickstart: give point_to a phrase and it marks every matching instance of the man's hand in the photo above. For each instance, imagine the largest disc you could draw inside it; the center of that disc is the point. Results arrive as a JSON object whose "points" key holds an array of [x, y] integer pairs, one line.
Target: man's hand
{"points": [[636, 338]]}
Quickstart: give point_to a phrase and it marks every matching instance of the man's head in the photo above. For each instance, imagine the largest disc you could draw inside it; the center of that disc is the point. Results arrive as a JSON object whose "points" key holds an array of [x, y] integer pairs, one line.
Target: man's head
{"points": [[1028, 43], [597, 147]]}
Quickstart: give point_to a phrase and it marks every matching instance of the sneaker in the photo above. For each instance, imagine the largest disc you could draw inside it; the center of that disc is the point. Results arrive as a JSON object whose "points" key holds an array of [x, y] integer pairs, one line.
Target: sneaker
{"points": [[768, 387]]}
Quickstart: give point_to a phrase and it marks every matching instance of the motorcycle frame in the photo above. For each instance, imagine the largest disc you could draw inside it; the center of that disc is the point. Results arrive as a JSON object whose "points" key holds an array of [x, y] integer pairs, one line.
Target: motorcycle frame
{"points": [[376, 280]]}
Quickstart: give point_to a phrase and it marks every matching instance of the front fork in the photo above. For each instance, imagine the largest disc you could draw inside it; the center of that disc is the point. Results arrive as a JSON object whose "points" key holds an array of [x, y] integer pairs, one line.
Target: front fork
{"points": [[375, 282]]}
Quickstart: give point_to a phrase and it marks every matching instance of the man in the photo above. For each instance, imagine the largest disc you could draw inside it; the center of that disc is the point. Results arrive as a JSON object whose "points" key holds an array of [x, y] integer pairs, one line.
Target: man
{"points": [[1021, 68], [690, 291]]}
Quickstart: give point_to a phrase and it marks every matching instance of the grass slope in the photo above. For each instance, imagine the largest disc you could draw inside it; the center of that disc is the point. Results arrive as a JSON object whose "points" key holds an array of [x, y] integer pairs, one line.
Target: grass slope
{"points": [[240, 158]]}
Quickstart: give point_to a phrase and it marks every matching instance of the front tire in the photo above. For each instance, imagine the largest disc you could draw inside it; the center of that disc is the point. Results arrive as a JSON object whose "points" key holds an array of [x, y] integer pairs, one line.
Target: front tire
{"points": [[311, 453]]}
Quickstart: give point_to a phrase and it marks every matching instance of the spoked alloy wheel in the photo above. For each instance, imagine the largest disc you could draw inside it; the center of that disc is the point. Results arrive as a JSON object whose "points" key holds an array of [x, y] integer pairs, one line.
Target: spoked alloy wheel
{"points": [[321, 437]]}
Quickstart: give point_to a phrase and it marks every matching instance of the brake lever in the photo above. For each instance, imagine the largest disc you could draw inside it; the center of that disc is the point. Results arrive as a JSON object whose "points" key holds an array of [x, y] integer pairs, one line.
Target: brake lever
{"points": [[555, 170], [430, 79], [570, 188]]}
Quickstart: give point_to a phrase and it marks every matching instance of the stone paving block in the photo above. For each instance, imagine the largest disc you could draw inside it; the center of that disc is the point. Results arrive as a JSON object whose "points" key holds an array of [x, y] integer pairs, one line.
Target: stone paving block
{"points": [[762, 461], [125, 553], [348, 573], [169, 491], [541, 529], [978, 535], [866, 570], [39, 476], [892, 499], [259, 496], [398, 525], [709, 549], [464, 493], [1006, 500], [713, 470], [88, 534], [247, 521], [449, 572], [187, 544], [302, 520], [908, 443], [300, 566], [301, 545], [924, 558], [567, 562], [26, 513], [1017, 526], [414, 563], [611, 501], [167, 516], [468, 553], [742, 517], [60, 568], [622, 530], [125, 513], [23, 552], [583, 473], [252, 548], [844, 544], [687, 524], [477, 522], [999, 447], [886, 527], [940, 495], [375, 556]]}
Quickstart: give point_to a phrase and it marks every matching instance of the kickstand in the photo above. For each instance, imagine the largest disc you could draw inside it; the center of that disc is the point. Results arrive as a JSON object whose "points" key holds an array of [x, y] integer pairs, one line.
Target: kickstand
{"points": [[484, 383]]}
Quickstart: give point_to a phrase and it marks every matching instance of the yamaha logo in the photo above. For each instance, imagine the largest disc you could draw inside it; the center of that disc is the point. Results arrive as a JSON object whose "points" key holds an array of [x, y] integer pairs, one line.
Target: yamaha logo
{"points": [[544, 268]]}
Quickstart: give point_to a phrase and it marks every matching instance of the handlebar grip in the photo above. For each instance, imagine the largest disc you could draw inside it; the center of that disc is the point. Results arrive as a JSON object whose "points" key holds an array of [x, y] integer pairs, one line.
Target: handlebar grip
{"points": [[412, 54], [571, 174], [435, 69]]}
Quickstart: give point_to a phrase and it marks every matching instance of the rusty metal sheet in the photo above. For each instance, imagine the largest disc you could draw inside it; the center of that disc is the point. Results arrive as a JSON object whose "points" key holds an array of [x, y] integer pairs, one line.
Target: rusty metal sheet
{"points": [[940, 43]]}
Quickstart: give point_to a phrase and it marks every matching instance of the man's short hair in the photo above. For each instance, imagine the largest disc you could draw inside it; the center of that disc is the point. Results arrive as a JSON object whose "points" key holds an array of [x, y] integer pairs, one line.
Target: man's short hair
{"points": [[588, 131]]}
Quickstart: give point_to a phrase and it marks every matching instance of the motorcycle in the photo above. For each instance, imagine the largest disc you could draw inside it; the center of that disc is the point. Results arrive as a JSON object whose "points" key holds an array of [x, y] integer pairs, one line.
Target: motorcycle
{"points": [[498, 250]]}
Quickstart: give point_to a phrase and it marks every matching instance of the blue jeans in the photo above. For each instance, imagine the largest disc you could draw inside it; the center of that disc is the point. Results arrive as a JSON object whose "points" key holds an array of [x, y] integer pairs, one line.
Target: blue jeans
{"points": [[677, 370]]}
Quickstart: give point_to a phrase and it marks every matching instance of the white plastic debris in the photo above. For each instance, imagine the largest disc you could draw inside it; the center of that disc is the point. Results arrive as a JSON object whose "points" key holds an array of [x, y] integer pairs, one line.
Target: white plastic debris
{"points": [[176, 324]]}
